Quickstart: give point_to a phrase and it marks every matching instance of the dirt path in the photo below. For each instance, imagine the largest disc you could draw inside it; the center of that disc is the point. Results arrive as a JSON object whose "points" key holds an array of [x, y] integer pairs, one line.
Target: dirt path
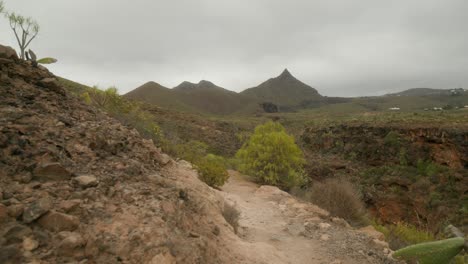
{"points": [[280, 229]]}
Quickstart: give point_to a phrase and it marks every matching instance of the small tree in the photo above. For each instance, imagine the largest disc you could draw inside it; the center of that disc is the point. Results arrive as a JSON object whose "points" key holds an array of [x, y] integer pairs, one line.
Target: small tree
{"points": [[25, 29], [2, 7], [272, 157]]}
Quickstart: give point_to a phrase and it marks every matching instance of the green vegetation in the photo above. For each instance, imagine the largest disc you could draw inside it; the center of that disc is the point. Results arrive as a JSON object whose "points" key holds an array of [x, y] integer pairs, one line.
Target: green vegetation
{"points": [[428, 168], [47, 60], [272, 157], [212, 170], [129, 113], [438, 252], [191, 151]]}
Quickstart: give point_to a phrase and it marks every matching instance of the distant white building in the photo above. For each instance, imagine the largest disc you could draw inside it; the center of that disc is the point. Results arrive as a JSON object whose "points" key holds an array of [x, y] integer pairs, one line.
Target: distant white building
{"points": [[437, 109], [394, 109], [466, 106]]}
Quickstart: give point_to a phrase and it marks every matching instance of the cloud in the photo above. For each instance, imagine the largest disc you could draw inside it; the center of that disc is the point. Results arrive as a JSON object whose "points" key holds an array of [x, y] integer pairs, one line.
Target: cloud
{"points": [[340, 47]]}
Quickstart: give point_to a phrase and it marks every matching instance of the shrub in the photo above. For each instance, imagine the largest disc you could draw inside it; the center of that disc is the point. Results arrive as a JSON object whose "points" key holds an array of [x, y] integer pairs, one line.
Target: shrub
{"points": [[392, 139], [401, 235], [410, 234], [427, 168], [127, 112], [271, 156], [212, 170], [231, 215], [341, 198], [191, 151]]}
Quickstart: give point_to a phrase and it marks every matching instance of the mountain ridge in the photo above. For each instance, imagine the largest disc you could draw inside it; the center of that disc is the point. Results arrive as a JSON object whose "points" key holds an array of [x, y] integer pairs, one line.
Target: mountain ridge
{"points": [[206, 97]]}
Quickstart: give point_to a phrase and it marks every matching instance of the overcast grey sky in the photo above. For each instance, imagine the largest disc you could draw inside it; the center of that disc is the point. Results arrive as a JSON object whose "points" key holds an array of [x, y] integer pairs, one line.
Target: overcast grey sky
{"points": [[340, 47]]}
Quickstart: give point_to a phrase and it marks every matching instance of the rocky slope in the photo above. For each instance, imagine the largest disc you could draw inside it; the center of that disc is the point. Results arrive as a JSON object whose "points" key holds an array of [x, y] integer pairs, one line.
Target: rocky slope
{"points": [[77, 185]]}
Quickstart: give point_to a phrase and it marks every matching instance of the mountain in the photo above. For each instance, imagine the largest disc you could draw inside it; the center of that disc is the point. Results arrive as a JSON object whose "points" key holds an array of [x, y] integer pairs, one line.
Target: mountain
{"points": [[285, 91], [203, 97]]}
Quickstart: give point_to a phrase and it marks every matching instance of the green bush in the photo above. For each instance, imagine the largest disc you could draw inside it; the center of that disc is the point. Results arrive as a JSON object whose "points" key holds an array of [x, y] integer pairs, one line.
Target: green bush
{"points": [[271, 156], [212, 170], [191, 151]]}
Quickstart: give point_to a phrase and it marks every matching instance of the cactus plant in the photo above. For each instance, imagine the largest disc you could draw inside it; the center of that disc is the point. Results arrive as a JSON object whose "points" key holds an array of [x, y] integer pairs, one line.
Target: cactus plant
{"points": [[47, 60], [438, 252]]}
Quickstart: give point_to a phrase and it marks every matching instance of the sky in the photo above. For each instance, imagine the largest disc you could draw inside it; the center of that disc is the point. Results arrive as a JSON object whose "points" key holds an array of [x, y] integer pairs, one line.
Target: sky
{"points": [[339, 47]]}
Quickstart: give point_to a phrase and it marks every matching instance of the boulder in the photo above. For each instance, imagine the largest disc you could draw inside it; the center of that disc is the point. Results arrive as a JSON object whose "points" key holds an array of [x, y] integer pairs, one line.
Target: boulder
{"points": [[86, 181], [51, 172], [36, 209], [8, 53], [55, 221]]}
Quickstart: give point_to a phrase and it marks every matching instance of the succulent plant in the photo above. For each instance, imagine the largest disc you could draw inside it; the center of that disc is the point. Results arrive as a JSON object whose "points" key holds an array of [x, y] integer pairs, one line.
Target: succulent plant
{"points": [[438, 252], [47, 60]]}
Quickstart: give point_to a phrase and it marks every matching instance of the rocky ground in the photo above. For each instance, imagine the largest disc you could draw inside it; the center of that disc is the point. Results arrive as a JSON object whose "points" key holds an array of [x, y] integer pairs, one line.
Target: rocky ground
{"points": [[76, 186]]}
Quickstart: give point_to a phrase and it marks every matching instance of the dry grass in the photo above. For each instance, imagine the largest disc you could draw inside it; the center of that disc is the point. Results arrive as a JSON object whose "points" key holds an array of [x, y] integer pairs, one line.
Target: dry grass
{"points": [[341, 198], [231, 215]]}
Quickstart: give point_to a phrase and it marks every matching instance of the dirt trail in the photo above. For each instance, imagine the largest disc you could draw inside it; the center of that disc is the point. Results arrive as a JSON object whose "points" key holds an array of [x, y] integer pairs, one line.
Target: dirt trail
{"points": [[281, 229]]}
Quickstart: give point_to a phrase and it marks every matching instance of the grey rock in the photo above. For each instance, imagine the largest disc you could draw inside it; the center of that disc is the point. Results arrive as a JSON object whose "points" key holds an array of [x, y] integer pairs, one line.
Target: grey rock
{"points": [[36, 209]]}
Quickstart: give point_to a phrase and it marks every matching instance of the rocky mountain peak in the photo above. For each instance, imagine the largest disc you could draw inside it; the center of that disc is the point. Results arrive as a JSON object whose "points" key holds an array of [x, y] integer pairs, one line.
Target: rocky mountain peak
{"points": [[286, 74]]}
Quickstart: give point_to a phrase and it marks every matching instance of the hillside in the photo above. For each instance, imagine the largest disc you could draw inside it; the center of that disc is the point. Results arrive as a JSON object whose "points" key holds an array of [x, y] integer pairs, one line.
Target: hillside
{"points": [[203, 97], [428, 92], [77, 186], [285, 91]]}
